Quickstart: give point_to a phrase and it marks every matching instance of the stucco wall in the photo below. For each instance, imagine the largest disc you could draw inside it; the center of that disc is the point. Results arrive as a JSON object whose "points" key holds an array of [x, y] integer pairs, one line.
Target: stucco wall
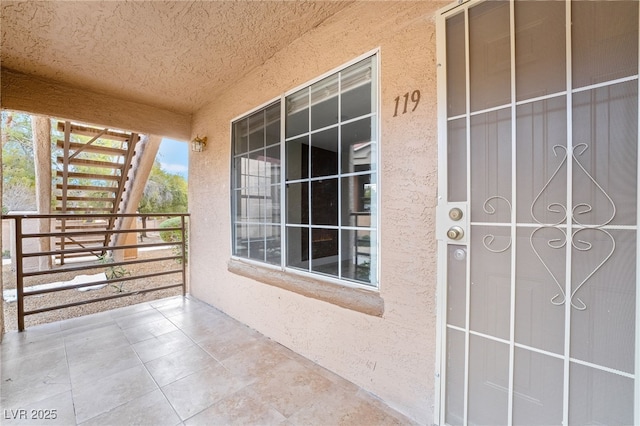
{"points": [[21, 92], [392, 356]]}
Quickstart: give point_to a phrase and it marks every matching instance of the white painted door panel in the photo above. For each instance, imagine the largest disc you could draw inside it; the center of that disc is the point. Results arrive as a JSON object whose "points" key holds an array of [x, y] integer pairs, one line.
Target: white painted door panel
{"points": [[538, 106]]}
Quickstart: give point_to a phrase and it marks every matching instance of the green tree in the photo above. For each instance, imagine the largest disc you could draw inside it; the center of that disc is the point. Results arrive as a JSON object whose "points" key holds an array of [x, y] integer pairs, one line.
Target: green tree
{"points": [[18, 169], [164, 193]]}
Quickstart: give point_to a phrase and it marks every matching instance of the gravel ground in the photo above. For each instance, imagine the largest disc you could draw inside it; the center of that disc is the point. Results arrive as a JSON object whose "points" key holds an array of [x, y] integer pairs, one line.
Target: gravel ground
{"points": [[70, 296]]}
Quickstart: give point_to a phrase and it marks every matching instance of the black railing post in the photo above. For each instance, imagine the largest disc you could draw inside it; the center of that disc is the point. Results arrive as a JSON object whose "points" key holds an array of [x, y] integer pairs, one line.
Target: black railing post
{"points": [[19, 273]]}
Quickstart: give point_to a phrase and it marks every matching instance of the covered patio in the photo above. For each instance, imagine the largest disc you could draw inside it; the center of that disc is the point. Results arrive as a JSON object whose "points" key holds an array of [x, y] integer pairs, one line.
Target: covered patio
{"points": [[169, 362], [186, 70]]}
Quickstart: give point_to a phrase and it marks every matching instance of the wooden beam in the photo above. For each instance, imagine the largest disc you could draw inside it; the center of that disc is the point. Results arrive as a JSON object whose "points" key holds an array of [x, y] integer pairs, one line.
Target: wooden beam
{"points": [[127, 165], [86, 209], [99, 149], [94, 176], [94, 199], [88, 188], [92, 163], [79, 129]]}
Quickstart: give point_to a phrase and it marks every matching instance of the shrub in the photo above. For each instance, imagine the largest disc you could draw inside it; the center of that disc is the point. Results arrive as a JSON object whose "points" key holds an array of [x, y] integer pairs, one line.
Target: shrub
{"points": [[171, 236], [175, 236], [113, 272]]}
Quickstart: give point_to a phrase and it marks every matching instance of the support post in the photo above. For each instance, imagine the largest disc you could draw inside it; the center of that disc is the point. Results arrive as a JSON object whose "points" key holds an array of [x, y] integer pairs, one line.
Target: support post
{"points": [[135, 187], [41, 127]]}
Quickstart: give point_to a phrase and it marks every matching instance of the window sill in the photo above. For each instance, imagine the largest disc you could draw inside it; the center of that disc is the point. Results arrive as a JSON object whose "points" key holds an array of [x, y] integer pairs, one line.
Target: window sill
{"points": [[355, 299]]}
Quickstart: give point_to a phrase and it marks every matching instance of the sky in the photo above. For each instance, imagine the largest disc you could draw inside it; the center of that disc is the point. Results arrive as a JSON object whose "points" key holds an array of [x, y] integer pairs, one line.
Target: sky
{"points": [[174, 156]]}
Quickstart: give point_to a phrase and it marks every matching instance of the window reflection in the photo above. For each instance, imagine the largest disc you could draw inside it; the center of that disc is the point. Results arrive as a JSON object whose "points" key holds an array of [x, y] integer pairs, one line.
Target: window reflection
{"points": [[256, 178], [331, 184], [357, 146]]}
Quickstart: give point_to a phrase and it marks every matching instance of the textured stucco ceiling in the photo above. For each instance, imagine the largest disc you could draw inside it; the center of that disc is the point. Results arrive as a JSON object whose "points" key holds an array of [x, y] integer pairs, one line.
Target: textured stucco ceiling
{"points": [[174, 55]]}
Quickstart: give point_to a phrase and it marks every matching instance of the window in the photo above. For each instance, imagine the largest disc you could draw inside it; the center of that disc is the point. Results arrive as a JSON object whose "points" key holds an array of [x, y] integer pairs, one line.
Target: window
{"points": [[256, 186], [329, 152]]}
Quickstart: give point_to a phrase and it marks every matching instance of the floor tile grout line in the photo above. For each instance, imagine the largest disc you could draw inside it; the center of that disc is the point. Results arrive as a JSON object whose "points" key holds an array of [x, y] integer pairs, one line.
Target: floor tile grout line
{"points": [[112, 322], [158, 388], [153, 378], [73, 399], [197, 344], [218, 401]]}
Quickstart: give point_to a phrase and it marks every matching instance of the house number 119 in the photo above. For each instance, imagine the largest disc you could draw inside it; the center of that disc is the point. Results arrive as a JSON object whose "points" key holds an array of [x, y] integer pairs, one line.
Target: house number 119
{"points": [[415, 98]]}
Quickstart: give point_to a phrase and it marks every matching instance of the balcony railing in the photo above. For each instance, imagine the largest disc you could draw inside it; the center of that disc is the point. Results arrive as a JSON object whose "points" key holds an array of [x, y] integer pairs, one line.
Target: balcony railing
{"points": [[86, 255]]}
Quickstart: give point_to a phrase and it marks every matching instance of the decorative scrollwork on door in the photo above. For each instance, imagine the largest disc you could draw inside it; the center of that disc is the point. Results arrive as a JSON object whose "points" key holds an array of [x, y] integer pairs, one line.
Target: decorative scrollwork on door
{"points": [[571, 237], [489, 208]]}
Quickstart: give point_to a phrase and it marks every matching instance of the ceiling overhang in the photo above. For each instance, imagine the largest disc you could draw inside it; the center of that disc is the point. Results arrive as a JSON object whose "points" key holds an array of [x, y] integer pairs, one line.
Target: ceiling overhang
{"points": [[170, 57]]}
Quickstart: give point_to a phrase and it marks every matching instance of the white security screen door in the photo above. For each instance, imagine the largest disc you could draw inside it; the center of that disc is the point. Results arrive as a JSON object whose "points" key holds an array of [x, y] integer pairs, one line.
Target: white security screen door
{"points": [[538, 213]]}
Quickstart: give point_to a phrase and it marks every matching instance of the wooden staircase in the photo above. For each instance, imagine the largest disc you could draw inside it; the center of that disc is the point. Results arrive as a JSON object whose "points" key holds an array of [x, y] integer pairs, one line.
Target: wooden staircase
{"points": [[92, 172]]}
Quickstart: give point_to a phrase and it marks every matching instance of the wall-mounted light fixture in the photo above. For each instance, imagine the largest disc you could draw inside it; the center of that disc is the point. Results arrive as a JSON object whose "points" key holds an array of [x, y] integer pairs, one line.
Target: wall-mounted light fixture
{"points": [[198, 144]]}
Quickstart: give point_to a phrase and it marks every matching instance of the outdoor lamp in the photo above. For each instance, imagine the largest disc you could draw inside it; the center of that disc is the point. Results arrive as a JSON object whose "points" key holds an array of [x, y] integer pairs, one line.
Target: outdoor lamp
{"points": [[198, 144]]}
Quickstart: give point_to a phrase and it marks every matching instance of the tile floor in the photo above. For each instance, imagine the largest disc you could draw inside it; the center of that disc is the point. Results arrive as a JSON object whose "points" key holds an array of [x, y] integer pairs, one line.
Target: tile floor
{"points": [[174, 361]]}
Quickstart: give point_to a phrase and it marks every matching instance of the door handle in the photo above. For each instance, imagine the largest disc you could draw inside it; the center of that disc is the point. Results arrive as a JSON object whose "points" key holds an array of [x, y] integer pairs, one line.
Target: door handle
{"points": [[455, 233]]}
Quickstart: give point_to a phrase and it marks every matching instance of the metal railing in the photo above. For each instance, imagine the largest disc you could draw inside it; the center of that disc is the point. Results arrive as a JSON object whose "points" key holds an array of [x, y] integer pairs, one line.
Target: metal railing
{"points": [[95, 257]]}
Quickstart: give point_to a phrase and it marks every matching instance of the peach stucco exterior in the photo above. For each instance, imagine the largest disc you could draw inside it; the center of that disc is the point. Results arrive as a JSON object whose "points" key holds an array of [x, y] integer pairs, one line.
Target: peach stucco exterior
{"points": [[393, 354]]}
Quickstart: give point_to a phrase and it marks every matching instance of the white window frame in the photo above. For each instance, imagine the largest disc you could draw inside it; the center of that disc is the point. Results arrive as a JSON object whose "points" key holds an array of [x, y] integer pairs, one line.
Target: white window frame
{"points": [[374, 175], [233, 186]]}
